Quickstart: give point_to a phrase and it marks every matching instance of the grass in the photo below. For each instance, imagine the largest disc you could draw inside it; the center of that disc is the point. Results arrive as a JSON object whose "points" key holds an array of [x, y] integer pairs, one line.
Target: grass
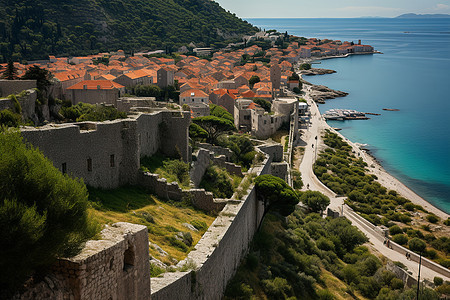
{"points": [[174, 170], [278, 135], [163, 220]]}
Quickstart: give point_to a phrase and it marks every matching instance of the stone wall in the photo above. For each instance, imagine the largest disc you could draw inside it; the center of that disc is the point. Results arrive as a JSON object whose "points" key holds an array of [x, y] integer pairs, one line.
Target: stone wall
{"points": [[219, 252], [164, 190], [217, 150], [107, 154], [274, 150], [27, 102], [103, 154], [204, 158], [280, 170], [8, 87], [114, 267]]}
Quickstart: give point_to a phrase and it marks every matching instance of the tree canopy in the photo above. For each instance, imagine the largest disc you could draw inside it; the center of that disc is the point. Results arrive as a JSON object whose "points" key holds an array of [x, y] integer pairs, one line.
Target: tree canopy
{"points": [[34, 30], [214, 126], [316, 201], [276, 194], [263, 103], [253, 80], [43, 213], [219, 111], [10, 73]]}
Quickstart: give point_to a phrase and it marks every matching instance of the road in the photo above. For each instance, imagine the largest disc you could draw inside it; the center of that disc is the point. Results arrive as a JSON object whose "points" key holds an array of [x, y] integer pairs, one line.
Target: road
{"points": [[315, 128]]}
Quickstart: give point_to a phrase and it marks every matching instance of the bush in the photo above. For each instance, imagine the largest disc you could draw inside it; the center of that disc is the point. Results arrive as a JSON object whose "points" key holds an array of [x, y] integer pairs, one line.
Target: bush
{"points": [[199, 225], [9, 118], [447, 222], [48, 210], [393, 230], [88, 112], [217, 181], [417, 245], [432, 219], [405, 219], [396, 284], [315, 201], [400, 239], [438, 281]]}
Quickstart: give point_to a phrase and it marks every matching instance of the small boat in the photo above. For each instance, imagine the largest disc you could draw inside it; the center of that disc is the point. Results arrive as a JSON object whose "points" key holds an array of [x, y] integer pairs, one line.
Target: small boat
{"points": [[391, 109]]}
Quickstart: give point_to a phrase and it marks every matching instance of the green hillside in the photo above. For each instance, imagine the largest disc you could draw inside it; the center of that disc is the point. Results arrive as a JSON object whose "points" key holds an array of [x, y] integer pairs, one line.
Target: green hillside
{"points": [[34, 29]]}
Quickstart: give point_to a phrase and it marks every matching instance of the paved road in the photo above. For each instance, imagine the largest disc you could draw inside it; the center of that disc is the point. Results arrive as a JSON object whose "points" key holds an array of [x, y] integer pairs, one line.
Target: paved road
{"points": [[310, 181]]}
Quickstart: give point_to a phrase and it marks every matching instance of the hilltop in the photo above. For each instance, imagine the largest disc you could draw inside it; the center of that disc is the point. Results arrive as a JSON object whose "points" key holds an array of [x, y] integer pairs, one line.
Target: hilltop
{"points": [[31, 30]]}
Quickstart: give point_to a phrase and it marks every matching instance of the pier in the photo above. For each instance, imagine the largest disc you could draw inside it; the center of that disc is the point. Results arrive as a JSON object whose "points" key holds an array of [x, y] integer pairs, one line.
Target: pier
{"points": [[344, 114]]}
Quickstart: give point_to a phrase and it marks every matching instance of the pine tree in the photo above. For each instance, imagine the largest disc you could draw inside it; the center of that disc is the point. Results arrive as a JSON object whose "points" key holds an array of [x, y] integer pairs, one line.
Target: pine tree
{"points": [[11, 71]]}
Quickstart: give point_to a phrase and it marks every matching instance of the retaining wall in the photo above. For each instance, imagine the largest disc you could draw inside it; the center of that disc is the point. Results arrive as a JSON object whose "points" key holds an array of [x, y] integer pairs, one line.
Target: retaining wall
{"points": [[8, 87]]}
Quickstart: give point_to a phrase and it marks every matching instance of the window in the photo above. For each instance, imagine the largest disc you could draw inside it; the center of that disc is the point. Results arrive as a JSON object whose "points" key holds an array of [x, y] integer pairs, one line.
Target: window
{"points": [[265, 122], [111, 160], [246, 117], [64, 168], [89, 164], [128, 258]]}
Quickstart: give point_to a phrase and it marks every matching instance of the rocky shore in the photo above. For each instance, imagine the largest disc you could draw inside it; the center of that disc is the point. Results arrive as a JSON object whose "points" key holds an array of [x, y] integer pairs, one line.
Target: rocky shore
{"points": [[320, 93], [316, 71]]}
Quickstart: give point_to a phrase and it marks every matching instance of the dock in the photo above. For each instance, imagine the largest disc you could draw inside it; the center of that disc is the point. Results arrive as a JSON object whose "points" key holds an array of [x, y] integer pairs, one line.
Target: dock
{"points": [[344, 114]]}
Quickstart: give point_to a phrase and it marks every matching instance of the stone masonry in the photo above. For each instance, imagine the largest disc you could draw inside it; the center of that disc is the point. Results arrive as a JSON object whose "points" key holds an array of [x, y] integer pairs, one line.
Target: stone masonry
{"points": [[113, 268]]}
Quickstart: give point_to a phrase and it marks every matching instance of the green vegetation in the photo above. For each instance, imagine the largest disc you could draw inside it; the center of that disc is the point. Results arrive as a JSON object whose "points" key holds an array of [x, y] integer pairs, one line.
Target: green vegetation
{"points": [[9, 118], [43, 213], [306, 257], [242, 147], [10, 73], [276, 194], [214, 126], [219, 182], [339, 169], [42, 77], [174, 170], [165, 220], [30, 31], [315, 201], [89, 112], [296, 179], [253, 80], [220, 112], [305, 66], [264, 104]]}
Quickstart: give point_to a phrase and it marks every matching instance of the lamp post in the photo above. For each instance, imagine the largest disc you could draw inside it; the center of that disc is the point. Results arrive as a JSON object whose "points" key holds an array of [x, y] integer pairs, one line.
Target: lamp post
{"points": [[315, 153], [418, 276]]}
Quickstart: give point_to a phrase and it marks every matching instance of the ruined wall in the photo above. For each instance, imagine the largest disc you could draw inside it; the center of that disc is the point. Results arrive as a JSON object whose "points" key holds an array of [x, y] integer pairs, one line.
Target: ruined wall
{"points": [[219, 252], [103, 154], [107, 154], [115, 267], [8, 87], [170, 190], [280, 170], [203, 158]]}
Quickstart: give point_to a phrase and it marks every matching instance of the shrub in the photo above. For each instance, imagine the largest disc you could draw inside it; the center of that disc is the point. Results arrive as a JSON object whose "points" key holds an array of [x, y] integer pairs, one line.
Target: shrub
{"points": [[417, 245], [432, 219], [393, 230], [48, 210], [9, 118], [409, 206], [217, 181], [199, 225], [404, 219], [396, 284], [447, 222], [316, 201], [400, 239], [438, 281]]}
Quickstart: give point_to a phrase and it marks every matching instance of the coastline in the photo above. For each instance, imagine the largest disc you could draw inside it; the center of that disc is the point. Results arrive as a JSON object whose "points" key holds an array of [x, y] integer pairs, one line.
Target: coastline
{"points": [[384, 178]]}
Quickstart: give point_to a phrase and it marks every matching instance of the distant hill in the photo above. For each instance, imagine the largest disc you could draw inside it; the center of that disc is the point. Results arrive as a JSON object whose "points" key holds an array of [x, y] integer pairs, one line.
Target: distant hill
{"points": [[35, 29], [417, 16]]}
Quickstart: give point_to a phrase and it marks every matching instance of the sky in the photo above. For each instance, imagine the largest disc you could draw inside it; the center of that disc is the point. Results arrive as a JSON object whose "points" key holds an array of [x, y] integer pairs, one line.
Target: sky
{"points": [[332, 8]]}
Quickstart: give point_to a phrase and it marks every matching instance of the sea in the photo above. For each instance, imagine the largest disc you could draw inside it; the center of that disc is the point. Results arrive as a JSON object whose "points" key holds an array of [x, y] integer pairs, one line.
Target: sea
{"points": [[412, 75]]}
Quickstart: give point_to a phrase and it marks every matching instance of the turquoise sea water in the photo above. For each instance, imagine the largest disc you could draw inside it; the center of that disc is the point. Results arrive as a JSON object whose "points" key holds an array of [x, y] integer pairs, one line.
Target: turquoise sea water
{"points": [[412, 75]]}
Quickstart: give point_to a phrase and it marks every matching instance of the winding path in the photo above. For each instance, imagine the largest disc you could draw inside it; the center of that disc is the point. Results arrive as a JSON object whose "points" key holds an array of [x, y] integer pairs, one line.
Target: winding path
{"points": [[315, 127]]}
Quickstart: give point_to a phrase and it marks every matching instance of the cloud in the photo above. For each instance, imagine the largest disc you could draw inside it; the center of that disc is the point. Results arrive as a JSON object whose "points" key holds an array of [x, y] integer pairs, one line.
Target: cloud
{"points": [[441, 6]]}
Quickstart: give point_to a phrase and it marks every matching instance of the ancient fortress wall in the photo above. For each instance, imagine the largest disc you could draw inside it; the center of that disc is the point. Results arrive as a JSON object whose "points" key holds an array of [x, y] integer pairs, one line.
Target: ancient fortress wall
{"points": [[103, 154], [219, 252], [107, 154], [8, 87], [115, 267]]}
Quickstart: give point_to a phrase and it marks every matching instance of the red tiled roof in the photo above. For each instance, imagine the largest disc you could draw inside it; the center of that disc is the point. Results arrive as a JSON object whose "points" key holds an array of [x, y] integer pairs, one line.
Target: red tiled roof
{"points": [[195, 92], [96, 84]]}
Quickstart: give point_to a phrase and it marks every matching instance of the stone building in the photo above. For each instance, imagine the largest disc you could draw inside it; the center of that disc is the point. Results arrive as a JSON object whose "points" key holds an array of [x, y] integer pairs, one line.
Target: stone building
{"points": [[165, 77], [134, 78], [95, 92]]}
